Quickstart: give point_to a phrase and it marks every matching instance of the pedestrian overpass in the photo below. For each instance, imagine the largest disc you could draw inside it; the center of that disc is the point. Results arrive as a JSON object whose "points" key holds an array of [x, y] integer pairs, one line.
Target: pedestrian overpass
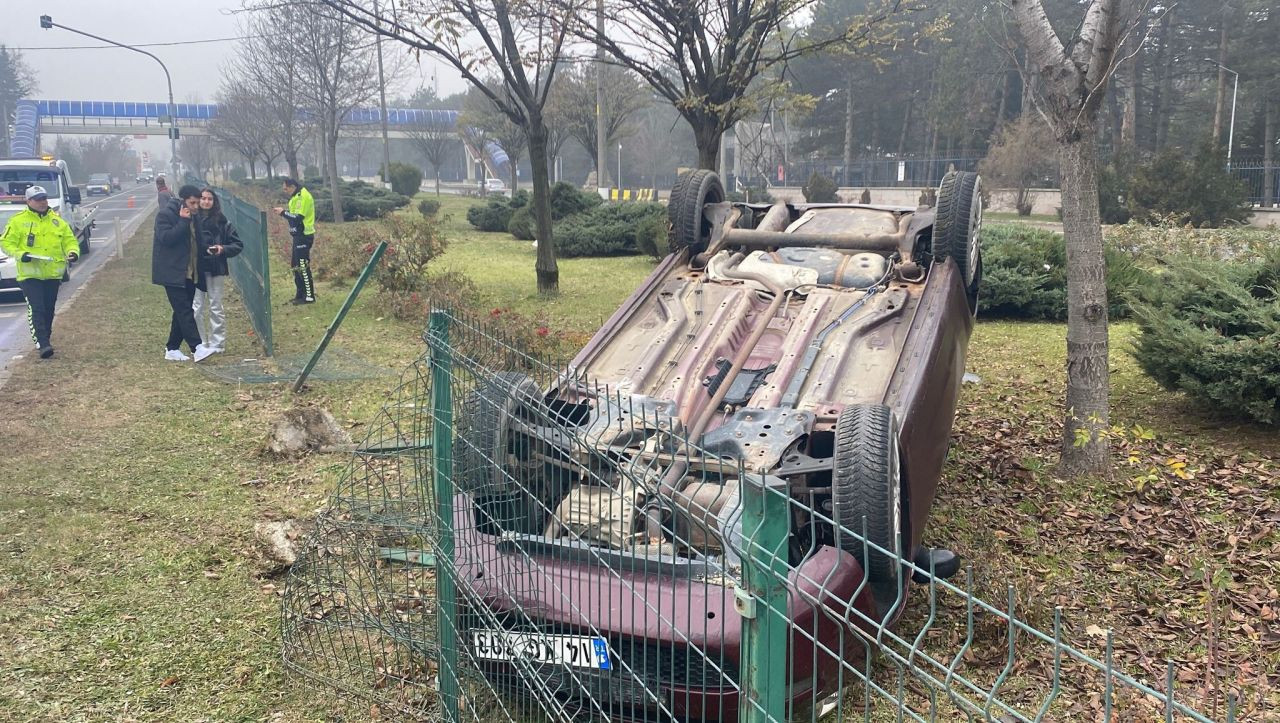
{"points": [[92, 117]]}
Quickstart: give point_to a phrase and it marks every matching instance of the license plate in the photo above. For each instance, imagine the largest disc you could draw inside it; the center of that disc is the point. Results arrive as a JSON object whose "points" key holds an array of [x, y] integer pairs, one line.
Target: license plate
{"points": [[579, 651]]}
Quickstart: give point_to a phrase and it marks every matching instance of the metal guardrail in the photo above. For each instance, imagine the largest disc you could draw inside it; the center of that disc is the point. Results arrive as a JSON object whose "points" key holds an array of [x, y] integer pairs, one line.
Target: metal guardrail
{"points": [[475, 565]]}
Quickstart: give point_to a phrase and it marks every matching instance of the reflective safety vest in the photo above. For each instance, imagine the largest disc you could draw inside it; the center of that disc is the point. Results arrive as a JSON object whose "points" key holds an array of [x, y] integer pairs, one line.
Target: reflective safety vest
{"points": [[47, 237]]}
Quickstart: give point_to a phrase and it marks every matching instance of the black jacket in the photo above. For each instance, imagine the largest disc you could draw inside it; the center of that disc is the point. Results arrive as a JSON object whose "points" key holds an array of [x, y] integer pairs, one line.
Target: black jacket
{"points": [[215, 233], [171, 250]]}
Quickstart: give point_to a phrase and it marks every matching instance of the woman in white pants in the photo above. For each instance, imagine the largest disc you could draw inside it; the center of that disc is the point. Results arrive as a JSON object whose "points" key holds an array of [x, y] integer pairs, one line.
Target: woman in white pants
{"points": [[219, 242]]}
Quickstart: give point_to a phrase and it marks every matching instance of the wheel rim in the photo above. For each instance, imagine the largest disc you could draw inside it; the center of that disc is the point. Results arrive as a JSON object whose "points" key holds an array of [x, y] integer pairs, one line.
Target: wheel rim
{"points": [[975, 231], [895, 499]]}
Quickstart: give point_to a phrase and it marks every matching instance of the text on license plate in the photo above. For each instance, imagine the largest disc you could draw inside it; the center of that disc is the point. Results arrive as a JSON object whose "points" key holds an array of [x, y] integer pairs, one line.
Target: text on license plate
{"points": [[580, 651]]}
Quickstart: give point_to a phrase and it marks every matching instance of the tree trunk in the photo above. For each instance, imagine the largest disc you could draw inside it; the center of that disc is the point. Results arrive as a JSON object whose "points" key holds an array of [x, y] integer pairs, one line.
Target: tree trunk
{"points": [[548, 271], [1085, 445], [335, 188], [515, 174], [1129, 107], [848, 128], [906, 126], [1221, 101], [437, 181], [707, 138], [1268, 153]]}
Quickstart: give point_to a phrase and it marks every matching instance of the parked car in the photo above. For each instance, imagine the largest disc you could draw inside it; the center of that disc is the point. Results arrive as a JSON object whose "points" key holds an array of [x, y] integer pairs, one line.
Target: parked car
{"points": [[494, 185], [821, 345], [99, 185]]}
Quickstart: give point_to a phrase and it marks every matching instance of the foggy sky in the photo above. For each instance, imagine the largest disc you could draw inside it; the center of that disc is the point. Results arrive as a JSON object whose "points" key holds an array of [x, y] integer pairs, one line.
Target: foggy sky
{"points": [[118, 74]]}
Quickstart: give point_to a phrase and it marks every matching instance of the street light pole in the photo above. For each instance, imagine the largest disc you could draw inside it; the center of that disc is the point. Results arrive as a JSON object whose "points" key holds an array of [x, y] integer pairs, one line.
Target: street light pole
{"points": [[382, 103], [1235, 89], [619, 168], [46, 22]]}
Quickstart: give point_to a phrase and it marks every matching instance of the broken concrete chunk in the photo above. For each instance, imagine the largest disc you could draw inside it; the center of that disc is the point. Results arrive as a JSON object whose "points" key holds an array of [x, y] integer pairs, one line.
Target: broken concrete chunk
{"points": [[307, 429]]}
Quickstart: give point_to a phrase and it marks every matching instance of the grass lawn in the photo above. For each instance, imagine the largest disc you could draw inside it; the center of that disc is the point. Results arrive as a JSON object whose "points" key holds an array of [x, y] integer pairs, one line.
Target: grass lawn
{"points": [[131, 587]]}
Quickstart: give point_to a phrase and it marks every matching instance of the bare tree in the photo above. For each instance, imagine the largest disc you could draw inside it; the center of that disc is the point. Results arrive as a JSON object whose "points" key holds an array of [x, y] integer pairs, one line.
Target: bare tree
{"points": [[197, 151], [267, 59], [240, 123], [1072, 83], [522, 43], [359, 145], [710, 58], [337, 70], [481, 113], [574, 104], [434, 143], [1017, 159]]}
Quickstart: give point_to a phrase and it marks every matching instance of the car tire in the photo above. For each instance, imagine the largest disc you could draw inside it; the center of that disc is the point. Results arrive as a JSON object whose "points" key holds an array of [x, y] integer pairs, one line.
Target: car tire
{"points": [[866, 481], [689, 228], [485, 443], [957, 226]]}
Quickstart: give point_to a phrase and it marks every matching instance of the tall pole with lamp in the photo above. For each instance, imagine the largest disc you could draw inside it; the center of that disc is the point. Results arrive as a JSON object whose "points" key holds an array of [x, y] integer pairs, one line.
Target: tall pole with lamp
{"points": [[1235, 88], [47, 23], [619, 168]]}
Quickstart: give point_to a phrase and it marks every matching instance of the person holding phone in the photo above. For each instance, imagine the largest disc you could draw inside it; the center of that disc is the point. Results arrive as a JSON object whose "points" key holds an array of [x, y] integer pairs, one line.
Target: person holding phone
{"points": [[220, 242], [175, 265], [44, 245]]}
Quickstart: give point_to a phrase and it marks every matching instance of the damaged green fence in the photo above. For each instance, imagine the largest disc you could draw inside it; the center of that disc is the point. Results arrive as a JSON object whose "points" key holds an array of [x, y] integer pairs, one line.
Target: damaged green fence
{"points": [[507, 545]]}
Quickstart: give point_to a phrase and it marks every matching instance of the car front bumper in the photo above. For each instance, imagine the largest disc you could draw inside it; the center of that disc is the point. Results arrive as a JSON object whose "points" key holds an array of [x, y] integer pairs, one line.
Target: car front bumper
{"points": [[674, 635]]}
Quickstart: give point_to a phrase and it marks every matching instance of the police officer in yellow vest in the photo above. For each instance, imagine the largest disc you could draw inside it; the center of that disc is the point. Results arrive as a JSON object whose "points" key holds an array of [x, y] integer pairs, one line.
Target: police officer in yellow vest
{"points": [[301, 215], [43, 244]]}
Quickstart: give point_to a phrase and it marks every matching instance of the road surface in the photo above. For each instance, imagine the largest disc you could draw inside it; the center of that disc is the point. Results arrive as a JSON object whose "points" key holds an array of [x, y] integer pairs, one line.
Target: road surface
{"points": [[15, 336]]}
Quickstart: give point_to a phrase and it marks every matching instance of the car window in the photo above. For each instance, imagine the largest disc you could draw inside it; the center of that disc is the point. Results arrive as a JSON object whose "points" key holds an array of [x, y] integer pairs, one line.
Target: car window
{"points": [[15, 181]]}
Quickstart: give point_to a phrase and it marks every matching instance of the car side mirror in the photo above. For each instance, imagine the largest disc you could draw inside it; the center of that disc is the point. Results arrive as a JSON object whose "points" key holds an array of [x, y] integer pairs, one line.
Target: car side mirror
{"points": [[73, 196]]}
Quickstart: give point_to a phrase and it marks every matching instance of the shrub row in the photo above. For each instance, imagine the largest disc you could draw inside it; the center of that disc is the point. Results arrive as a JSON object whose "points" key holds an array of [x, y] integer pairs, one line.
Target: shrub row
{"points": [[1211, 328], [1024, 275]]}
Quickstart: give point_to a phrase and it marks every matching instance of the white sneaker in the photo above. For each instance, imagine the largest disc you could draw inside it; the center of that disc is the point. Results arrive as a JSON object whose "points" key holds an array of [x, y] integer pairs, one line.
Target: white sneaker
{"points": [[203, 352], [175, 355]]}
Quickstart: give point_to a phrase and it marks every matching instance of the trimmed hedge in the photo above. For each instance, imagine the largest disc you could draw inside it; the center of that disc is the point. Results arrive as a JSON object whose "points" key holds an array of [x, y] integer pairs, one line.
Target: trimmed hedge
{"points": [[522, 225], [495, 214], [1198, 191], [1024, 275], [606, 230], [428, 207], [567, 199], [405, 179], [820, 189], [1211, 328], [360, 202]]}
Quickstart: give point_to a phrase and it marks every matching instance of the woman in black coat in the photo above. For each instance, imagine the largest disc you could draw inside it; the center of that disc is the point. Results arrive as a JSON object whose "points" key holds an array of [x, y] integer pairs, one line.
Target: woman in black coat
{"points": [[219, 242]]}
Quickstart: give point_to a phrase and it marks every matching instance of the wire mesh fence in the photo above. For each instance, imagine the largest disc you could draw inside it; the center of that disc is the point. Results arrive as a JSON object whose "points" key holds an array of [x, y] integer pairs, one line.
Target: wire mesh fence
{"points": [[514, 542], [251, 268]]}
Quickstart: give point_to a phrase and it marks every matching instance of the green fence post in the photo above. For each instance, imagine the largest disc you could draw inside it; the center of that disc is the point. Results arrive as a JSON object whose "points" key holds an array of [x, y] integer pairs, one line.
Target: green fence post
{"points": [[265, 333], [443, 488], [342, 314], [763, 602]]}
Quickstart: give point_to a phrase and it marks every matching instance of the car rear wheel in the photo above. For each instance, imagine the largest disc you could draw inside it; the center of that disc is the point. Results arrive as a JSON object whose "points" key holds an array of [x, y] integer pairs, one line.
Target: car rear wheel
{"points": [[866, 483], [487, 443], [957, 226], [689, 227], [511, 491]]}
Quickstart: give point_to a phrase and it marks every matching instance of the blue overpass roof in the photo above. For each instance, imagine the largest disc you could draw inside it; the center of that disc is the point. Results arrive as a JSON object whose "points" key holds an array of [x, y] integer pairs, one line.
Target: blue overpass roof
{"points": [[29, 112]]}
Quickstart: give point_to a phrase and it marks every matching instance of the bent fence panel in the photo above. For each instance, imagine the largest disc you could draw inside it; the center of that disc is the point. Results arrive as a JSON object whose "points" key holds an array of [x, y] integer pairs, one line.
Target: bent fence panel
{"points": [[513, 542]]}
